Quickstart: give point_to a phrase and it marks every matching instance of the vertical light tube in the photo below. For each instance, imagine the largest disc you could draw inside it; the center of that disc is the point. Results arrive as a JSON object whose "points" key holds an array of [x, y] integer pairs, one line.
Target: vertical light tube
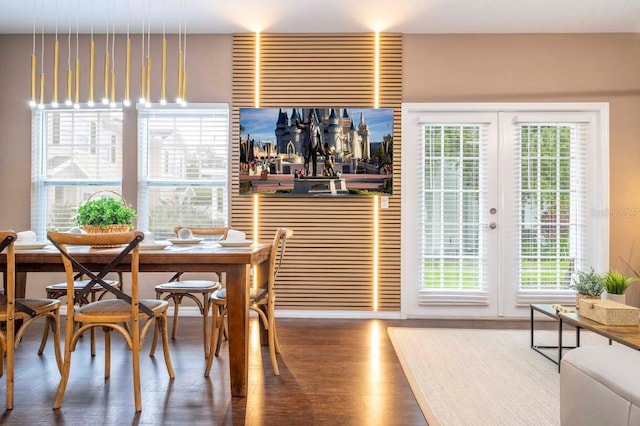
{"points": [[179, 97], [34, 62], [163, 87], [148, 81], [127, 74], [41, 104], [105, 97], [257, 72], [92, 52], [76, 103], [112, 103], [92, 61], [56, 52], [56, 49], [32, 101], [184, 67], [375, 252], [143, 73], [376, 72], [69, 100]]}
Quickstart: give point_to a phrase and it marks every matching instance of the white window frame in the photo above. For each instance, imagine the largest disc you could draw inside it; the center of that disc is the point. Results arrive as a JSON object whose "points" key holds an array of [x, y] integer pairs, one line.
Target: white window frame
{"points": [[144, 183], [40, 210], [411, 175]]}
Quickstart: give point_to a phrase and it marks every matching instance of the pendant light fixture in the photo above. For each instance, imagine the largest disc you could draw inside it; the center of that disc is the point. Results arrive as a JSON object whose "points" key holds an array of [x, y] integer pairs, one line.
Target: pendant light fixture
{"points": [[72, 94], [92, 61], [56, 49], [32, 100], [127, 68], [76, 101]]}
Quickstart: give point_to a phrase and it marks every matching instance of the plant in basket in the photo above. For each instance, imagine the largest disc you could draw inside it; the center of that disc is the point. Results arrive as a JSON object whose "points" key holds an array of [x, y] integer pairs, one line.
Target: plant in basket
{"points": [[587, 285], [105, 214]]}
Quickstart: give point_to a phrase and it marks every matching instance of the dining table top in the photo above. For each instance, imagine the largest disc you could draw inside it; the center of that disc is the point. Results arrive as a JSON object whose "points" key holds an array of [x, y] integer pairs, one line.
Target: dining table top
{"points": [[202, 257]]}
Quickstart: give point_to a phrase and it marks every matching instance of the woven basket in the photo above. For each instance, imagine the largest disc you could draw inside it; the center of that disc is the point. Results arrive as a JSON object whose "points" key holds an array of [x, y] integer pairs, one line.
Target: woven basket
{"points": [[95, 229], [586, 297], [608, 312]]}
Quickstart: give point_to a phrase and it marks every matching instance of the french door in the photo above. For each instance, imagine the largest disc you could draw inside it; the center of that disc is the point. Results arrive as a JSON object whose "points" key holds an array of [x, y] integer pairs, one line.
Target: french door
{"points": [[497, 209]]}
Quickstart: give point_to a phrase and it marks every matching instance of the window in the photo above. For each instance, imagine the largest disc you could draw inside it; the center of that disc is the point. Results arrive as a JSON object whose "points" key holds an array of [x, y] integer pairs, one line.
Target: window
{"points": [[75, 153], [183, 168]]}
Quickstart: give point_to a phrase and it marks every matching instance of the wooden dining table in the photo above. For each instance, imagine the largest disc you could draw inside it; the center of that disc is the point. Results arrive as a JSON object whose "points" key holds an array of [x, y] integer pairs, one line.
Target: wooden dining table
{"points": [[236, 262]]}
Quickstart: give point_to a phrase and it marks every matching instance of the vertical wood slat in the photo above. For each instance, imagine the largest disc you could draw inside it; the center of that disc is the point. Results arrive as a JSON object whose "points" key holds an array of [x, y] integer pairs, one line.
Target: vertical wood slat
{"points": [[329, 260]]}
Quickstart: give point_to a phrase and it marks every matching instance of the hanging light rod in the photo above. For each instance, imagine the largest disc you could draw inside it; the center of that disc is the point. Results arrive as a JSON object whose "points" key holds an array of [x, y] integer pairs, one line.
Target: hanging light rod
{"points": [[80, 92]]}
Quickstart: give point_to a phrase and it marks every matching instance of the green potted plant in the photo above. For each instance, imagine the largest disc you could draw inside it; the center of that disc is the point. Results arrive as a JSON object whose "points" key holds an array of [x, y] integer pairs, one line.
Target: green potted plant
{"points": [[105, 214], [615, 284], [588, 285]]}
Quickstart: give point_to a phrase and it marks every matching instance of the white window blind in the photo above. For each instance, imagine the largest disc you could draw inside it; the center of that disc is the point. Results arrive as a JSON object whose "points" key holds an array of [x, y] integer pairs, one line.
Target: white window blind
{"points": [[75, 153], [183, 168], [552, 204], [453, 247]]}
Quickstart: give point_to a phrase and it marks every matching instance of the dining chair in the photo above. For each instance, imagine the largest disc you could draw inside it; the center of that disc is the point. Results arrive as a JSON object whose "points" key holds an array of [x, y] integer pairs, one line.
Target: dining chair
{"points": [[261, 300], [123, 314], [26, 310], [176, 288], [97, 292]]}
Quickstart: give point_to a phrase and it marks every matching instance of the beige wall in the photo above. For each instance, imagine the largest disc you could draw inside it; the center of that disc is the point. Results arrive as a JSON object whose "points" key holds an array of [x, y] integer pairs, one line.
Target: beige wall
{"points": [[545, 68], [437, 68]]}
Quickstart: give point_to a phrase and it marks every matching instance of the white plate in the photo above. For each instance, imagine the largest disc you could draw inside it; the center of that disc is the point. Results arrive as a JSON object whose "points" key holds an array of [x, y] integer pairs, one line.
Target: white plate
{"points": [[157, 245], [29, 246], [245, 243], [185, 241]]}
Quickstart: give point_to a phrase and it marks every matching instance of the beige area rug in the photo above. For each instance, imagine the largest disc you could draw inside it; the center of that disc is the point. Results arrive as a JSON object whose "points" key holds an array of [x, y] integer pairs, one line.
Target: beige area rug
{"points": [[482, 377]]}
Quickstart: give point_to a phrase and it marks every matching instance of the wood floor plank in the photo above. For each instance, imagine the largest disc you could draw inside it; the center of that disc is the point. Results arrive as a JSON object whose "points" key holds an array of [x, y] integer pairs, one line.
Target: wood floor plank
{"points": [[332, 372]]}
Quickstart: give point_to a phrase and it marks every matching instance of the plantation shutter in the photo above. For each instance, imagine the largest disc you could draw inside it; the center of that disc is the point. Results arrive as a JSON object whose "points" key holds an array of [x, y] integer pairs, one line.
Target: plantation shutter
{"points": [[183, 168], [75, 153]]}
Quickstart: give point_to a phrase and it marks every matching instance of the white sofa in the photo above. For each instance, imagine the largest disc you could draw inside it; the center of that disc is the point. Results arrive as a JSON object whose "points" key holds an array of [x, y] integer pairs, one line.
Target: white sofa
{"points": [[600, 385]]}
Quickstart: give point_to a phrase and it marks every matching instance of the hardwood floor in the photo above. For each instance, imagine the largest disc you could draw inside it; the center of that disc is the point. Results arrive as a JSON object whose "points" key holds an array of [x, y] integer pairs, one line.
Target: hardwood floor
{"points": [[331, 372]]}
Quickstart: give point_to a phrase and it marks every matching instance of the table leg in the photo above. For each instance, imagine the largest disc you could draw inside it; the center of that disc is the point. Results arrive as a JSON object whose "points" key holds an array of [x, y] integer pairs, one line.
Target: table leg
{"points": [[559, 342], [238, 325], [21, 284], [531, 309]]}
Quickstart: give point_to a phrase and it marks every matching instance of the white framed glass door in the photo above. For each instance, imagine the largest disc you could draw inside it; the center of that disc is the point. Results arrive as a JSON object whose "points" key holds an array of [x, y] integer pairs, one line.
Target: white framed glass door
{"points": [[496, 208]]}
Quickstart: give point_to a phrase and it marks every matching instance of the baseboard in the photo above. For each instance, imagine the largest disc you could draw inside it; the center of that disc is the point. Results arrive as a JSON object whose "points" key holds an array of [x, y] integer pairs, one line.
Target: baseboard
{"points": [[193, 311]]}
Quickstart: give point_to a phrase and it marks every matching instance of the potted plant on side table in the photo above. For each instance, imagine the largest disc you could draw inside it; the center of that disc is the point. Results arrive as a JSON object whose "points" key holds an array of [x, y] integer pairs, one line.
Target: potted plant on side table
{"points": [[615, 284], [588, 285]]}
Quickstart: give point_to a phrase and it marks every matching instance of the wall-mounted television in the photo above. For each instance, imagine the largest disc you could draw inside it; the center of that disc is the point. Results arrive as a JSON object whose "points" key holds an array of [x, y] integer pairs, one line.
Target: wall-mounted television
{"points": [[316, 151]]}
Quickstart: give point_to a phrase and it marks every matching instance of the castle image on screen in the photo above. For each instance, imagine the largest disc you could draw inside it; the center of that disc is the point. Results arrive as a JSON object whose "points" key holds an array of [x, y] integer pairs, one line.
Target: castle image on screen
{"points": [[316, 151]]}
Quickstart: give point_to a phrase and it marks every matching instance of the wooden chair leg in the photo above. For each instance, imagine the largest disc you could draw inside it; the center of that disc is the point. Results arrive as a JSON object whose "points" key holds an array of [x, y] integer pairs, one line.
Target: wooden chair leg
{"points": [[205, 316], [272, 346], [164, 328], [136, 369], [10, 373], [45, 336], [107, 352], [176, 304], [154, 342], [55, 326], [66, 367], [221, 328], [2, 355], [212, 340]]}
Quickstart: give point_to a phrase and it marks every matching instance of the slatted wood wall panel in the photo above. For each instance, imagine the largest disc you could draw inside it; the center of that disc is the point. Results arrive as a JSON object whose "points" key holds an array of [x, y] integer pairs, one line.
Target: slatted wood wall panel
{"points": [[329, 263]]}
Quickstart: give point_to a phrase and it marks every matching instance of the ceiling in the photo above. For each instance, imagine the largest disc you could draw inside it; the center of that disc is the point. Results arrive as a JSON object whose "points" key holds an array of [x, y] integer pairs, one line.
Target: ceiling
{"points": [[304, 16]]}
